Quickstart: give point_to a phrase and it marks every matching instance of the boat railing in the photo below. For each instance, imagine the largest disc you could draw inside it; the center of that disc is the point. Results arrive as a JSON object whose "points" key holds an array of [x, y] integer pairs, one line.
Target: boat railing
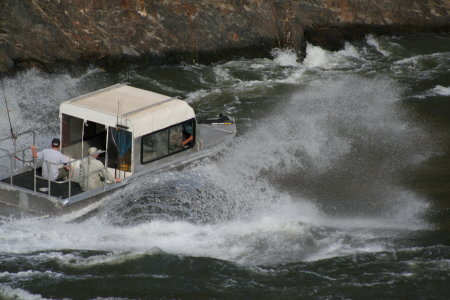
{"points": [[34, 164], [14, 157], [18, 154], [70, 178], [20, 134]]}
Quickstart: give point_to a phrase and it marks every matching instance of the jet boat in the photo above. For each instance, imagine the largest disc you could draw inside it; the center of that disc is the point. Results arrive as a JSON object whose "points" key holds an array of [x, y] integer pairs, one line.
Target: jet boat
{"points": [[139, 131]]}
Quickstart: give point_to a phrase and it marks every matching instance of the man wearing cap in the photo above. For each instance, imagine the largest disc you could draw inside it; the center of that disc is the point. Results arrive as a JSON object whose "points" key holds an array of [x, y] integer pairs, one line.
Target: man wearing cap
{"points": [[55, 164], [93, 172]]}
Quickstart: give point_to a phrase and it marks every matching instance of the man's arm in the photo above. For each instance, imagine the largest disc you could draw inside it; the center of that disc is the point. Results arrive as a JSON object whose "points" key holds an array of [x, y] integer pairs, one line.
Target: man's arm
{"points": [[109, 177], [33, 150], [106, 175], [187, 141], [35, 153]]}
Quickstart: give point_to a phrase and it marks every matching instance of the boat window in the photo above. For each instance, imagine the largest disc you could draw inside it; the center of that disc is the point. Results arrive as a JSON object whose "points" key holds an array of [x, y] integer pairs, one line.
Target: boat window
{"points": [[175, 138], [155, 146], [168, 141]]}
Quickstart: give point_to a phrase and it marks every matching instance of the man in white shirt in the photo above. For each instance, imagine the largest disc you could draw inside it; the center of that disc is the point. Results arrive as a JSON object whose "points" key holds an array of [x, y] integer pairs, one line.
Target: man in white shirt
{"points": [[93, 172], [55, 164]]}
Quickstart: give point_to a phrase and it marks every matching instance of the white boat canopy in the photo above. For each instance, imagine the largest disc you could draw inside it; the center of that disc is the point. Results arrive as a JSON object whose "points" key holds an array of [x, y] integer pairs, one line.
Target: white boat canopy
{"points": [[140, 110]]}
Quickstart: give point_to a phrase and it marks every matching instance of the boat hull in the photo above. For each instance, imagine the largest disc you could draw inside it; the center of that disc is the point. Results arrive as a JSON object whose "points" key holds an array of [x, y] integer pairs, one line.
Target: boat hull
{"points": [[21, 202]]}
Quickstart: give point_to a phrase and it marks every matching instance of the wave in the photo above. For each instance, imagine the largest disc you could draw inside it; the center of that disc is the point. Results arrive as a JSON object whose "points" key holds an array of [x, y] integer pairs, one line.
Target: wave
{"points": [[316, 57], [437, 90], [393, 269], [285, 57], [243, 206], [317, 173], [441, 90], [374, 42], [9, 293]]}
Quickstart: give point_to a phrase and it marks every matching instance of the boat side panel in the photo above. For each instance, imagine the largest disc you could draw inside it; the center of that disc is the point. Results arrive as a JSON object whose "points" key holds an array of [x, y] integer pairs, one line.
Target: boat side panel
{"points": [[35, 203], [78, 205]]}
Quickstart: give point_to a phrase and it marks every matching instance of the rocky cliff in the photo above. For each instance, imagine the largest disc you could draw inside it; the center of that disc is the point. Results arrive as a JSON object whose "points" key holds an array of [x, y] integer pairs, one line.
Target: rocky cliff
{"points": [[46, 33]]}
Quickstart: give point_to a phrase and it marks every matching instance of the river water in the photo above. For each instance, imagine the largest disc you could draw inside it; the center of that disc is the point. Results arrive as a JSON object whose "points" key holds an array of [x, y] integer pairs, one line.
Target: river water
{"points": [[337, 185]]}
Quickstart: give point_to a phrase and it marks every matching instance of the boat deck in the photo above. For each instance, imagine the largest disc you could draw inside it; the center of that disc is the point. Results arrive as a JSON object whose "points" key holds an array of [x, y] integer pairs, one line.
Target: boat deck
{"points": [[57, 189]]}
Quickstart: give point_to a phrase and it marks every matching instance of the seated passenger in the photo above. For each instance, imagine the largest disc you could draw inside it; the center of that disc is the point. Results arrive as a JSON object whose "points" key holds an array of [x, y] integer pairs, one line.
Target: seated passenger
{"points": [[55, 165], [93, 172]]}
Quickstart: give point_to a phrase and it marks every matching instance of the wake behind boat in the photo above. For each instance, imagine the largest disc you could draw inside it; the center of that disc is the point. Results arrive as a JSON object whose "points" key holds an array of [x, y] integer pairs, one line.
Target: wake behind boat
{"points": [[137, 130]]}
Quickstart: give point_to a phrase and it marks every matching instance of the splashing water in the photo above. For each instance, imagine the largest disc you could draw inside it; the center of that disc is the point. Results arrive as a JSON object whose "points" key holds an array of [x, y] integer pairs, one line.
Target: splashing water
{"points": [[316, 175], [34, 98], [285, 57]]}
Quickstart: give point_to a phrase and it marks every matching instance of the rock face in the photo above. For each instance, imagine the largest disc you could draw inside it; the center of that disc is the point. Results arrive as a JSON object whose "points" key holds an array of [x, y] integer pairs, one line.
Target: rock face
{"points": [[46, 33]]}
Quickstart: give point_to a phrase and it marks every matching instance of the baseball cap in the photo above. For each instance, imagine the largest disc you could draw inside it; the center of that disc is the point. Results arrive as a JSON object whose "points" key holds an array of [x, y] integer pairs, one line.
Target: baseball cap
{"points": [[56, 142]]}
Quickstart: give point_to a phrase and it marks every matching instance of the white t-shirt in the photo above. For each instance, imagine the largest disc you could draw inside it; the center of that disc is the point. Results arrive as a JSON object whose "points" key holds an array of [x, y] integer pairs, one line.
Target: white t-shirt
{"points": [[55, 159]]}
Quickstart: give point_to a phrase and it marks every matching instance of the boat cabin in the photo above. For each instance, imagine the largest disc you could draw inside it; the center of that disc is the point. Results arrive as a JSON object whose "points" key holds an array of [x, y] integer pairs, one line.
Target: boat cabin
{"points": [[133, 126]]}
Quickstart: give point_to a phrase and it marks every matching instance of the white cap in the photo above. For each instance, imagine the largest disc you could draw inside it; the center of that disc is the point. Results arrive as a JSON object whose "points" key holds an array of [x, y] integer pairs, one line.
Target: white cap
{"points": [[94, 150]]}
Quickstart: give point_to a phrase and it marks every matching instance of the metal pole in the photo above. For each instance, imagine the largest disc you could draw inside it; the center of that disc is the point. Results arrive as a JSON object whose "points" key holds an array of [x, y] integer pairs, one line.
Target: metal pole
{"points": [[34, 177], [11, 171], [88, 172], [70, 185], [48, 178], [106, 148], [82, 139], [34, 161]]}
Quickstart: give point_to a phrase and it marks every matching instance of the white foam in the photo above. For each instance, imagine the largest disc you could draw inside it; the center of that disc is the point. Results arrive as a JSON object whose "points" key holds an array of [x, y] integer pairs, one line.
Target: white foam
{"points": [[222, 74], [202, 94], [371, 40], [244, 216], [316, 57], [441, 90], [293, 72], [258, 66], [7, 292], [438, 90], [284, 228], [284, 232], [285, 57], [28, 274], [254, 222]]}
